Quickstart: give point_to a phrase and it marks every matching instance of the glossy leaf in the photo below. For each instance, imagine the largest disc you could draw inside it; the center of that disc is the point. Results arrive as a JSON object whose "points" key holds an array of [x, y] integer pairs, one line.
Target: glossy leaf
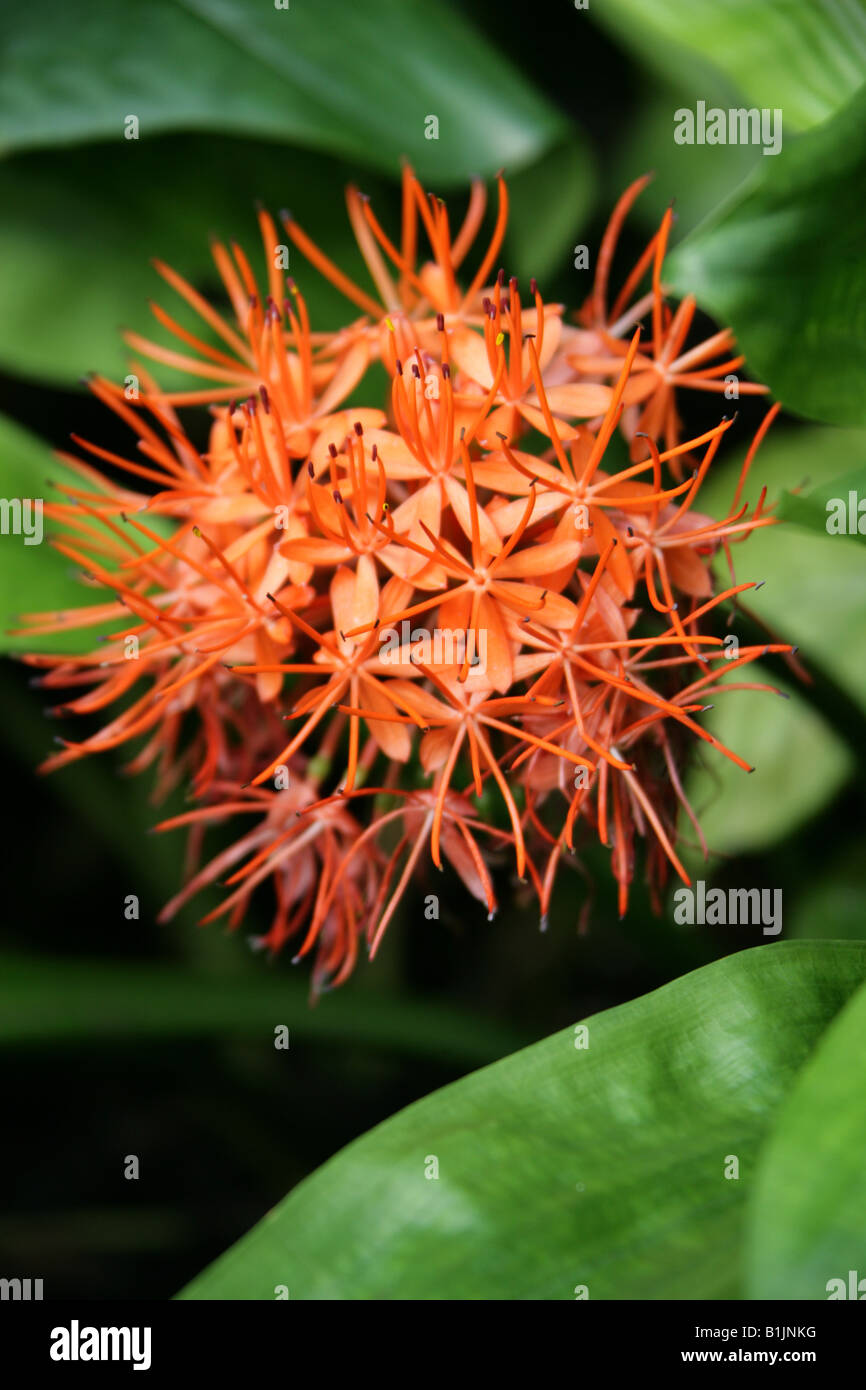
{"points": [[808, 1207], [807, 58], [354, 80], [833, 509], [781, 262], [562, 1166]]}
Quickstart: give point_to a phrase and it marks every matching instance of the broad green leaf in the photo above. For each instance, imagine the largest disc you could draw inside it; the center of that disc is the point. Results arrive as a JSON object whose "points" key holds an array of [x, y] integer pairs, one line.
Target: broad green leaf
{"points": [[807, 1216], [358, 80], [46, 1002], [781, 262], [807, 58], [832, 509], [561, 1166], [549, 203]]}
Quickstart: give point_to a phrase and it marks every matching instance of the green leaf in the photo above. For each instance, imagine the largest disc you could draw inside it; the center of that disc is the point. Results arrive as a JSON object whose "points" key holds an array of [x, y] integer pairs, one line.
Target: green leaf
{"points": [[164, 198], [800, 763], [349, 79], [808, 1205], [807, 59], [782, 263], [46, 1002], [814, 594], [82, 250], [549, 203], [830, 504], [32, 575], [688, 176], [563, 1166]]}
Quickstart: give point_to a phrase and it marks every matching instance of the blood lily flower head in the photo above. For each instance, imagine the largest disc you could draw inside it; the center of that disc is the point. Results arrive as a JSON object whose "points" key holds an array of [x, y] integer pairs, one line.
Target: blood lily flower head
{"points": [[412, 292], [453, 628], [666, 365]]}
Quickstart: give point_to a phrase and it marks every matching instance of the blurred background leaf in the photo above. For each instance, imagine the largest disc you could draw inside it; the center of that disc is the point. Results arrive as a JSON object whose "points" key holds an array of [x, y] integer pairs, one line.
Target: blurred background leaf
{"points": [[601, 1166], [162, 198], [814, 593], [63, 310], [844, 516], [250, 103], [34, 576], [53, 1002], [814, 596], [800, 762], [832, 903], [549, 205], [353, 80], [686, 176], [808, 59]]}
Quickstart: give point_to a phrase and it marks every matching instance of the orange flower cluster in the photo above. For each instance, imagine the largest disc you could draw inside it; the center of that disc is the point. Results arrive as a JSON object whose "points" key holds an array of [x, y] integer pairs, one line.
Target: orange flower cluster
{"points": [[468, 627]]}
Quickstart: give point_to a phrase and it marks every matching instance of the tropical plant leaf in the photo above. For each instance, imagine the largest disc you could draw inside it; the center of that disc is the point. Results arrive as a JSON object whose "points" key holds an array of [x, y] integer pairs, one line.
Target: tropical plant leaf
{"points": [[807, 1215], [32, 574], [81, 230], [46, 1002], [808, 59], [835, 504], [564, 1166], [685, 176], [353, 80], [800, 763], [781, 262], [549, 204], [814, 592]]}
